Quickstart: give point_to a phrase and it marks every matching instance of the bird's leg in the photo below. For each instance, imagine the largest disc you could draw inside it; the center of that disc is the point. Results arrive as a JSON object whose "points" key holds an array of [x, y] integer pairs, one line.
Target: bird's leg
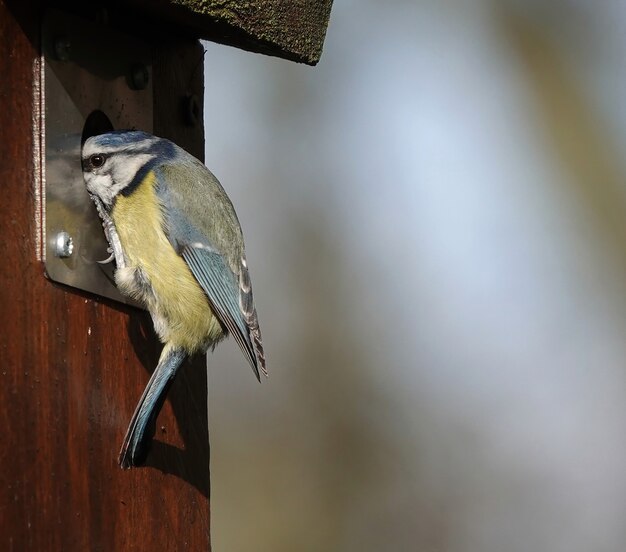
{"points": [[111, 235]]}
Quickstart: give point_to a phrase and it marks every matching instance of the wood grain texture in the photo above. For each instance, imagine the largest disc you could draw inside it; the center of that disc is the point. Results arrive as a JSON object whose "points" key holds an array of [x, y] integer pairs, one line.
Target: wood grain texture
{"points": [[73, 367], [292, 29]]}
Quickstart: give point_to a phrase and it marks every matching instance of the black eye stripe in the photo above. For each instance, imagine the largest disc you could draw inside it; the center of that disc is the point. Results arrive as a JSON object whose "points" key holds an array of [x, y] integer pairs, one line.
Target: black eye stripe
{"points": [[97, 160]]}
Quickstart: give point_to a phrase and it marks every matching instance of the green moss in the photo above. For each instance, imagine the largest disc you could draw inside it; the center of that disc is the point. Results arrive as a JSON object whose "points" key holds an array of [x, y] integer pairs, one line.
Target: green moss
{"points": [[289, 28]]}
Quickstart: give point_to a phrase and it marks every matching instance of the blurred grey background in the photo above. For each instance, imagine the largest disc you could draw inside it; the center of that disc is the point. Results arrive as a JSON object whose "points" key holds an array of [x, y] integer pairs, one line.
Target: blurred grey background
{"points": [[435, 219]]}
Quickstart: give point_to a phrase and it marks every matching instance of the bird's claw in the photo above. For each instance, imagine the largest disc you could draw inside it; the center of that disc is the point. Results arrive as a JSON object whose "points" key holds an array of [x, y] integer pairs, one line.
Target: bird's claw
{"points": [[110, 258]]}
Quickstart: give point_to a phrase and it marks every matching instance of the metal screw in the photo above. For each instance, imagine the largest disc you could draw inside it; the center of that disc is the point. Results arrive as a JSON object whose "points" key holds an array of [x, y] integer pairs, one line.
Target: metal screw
{"points": [[62, 48], [139, 76], [63, 245]]}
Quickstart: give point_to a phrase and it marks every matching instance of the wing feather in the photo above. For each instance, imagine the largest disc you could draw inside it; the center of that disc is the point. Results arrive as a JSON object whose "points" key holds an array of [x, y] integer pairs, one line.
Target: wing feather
{"points": [[207, 235], [218, 282]]}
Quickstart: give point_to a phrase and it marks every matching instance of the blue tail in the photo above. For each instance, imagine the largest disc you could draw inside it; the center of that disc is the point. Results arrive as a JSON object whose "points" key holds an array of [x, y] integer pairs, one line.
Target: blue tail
{"points": [[142, 426]]}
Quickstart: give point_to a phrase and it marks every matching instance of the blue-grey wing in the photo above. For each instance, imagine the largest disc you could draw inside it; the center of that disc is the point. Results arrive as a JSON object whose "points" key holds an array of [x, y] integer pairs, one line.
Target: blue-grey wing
{"points": [[205, 232], [231, 300]]}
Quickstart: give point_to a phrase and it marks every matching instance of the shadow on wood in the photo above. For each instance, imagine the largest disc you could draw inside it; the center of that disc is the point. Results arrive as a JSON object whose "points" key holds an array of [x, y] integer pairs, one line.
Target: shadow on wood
{"points": [[70, 375], [188, 401]]}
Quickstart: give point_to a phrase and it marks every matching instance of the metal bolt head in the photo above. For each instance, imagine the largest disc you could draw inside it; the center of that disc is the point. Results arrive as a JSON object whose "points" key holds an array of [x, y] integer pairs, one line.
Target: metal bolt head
{"points": [[62, 48], [63, 245], [139, 76]]}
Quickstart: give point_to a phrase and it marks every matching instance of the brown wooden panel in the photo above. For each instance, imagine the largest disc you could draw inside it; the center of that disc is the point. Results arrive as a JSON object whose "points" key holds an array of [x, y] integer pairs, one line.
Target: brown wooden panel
{"points": [[73, 367], [291, 29]]}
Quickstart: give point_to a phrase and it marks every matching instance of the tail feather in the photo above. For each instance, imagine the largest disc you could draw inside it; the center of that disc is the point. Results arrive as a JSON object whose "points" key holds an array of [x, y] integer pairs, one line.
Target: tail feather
{"points": [[142, 425]]}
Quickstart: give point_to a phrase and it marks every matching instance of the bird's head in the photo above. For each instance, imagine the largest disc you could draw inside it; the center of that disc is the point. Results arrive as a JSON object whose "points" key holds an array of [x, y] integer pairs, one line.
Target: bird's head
{"points": [[115, 161]]}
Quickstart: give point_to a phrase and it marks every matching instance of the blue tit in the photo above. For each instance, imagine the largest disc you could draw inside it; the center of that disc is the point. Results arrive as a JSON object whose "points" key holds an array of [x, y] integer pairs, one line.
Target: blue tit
{"points": [[179, 250]]}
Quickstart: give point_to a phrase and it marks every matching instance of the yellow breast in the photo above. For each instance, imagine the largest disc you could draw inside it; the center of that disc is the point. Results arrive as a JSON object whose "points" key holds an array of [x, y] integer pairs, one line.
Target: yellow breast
{"points": [[158, 276]]}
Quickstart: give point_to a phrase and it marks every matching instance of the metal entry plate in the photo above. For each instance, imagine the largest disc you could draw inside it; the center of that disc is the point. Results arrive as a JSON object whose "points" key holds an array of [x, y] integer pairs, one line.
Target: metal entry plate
{"points": [[88, 67]]}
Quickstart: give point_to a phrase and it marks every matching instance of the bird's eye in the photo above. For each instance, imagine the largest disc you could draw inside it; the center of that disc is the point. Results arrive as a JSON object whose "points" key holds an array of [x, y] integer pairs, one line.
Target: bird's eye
{"points": [[97, 160]]}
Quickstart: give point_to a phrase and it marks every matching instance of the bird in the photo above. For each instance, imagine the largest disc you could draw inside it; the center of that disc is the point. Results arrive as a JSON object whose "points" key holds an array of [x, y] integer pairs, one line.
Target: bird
{"points": [[178, 249]]}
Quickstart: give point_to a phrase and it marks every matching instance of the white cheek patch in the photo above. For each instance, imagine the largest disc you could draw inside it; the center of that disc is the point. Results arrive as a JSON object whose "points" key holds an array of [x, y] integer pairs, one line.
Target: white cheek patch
{"points": [[100, 185], [124, 168], [118, 172]]}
